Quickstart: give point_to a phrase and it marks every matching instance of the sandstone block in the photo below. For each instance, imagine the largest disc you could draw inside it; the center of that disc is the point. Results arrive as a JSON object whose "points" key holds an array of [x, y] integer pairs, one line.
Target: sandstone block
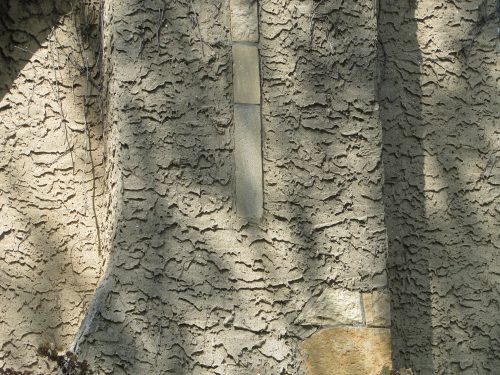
{"points": [[333, 307], [347, 351], [248, 161], [377, 309], [246, 79], [244, 20]]}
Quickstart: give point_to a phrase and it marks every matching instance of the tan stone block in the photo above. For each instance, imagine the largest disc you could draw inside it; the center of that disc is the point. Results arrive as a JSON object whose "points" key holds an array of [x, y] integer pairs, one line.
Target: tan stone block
{"points": [[246, 79], [347, 351], [377, 309], [248, 161], [244, 20], [333, 307]]}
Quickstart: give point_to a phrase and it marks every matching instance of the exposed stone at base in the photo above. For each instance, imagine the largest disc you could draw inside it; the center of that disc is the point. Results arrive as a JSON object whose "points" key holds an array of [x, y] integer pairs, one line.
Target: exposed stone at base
{"points": [[333, 307], [377, 307], [347, 351]]}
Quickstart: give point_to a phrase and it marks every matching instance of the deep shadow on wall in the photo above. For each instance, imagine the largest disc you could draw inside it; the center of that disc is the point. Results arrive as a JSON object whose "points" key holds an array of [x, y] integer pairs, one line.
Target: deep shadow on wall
{"points": [[403, 157]]}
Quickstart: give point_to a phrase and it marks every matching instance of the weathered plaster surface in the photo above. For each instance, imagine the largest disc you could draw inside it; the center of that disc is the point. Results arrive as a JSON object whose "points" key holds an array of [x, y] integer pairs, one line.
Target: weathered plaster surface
{"points": [[440, 111], [49, 263], [322, 140], [190, 287]]}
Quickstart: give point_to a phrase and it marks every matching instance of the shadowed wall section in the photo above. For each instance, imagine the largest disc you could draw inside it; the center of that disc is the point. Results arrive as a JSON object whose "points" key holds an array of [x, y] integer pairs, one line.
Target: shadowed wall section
{"points": [[439, 108], [403, 157]]}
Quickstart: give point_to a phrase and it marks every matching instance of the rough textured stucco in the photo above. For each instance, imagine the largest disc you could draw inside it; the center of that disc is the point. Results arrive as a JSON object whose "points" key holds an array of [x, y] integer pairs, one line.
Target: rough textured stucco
{"points": [[322, 140], [440, 112], [190, 288], [49, 263]]}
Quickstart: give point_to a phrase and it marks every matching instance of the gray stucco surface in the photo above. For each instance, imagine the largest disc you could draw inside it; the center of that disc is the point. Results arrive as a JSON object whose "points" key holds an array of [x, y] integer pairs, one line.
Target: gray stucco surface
{"points": [[440, 112], [379, 158], [222, 295]]}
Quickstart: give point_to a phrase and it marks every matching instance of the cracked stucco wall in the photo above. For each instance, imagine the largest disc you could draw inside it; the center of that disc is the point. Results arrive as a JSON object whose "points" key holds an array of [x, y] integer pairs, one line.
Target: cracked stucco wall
{"points": [[49, 263], [440, 112]]}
